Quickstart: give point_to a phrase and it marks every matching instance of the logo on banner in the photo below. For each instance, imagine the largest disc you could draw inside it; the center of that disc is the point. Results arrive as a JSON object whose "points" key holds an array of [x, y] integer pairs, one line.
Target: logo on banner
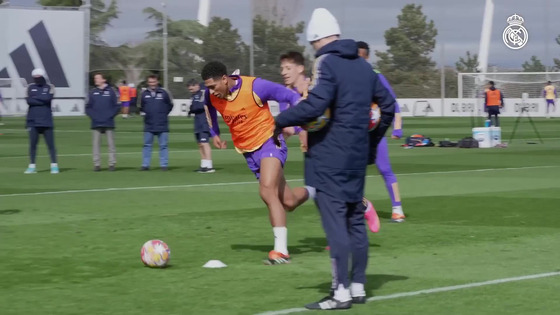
{"points": [[404, 108], [47, 53], [515, 35]]}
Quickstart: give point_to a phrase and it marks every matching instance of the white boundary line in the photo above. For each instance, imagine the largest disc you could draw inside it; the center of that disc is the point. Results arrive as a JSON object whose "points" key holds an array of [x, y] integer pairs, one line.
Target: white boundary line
{"points": [[252, 182], [433, 290]]}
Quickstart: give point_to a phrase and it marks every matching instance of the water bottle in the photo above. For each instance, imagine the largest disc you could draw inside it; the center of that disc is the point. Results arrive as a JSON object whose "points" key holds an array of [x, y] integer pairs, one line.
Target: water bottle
{"points": [[487, 123]]}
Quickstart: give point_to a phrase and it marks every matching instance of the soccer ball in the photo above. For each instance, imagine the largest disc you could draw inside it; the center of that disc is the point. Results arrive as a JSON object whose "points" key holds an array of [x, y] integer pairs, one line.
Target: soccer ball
{"points": [[155, 253], [374, 116], [319, 123]]}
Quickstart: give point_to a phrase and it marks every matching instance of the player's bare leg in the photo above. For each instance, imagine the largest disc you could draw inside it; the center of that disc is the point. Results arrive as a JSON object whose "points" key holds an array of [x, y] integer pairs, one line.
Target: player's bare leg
{"points": [[270, 180], [292, 197]]}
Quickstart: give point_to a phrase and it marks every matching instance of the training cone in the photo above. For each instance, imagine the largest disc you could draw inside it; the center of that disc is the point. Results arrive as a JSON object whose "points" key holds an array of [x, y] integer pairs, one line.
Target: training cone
{"points": [[214, 264]]}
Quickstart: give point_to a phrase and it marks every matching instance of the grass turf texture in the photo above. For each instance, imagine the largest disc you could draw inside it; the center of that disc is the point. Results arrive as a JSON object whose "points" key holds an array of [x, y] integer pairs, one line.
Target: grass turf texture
{"points": [[78, 253]]}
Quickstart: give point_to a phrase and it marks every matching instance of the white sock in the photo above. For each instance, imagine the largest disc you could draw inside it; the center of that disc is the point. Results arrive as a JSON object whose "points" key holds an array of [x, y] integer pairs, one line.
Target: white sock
{"points": [[311, 191], [357, 289], [206, 163], [202, 164], [342, 294], [32, 165], [54, 164], [280, 239], [398, 210]]}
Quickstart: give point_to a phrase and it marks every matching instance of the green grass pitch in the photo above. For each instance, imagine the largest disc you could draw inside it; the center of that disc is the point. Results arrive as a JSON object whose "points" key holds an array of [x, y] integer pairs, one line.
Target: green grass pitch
{"points": [[70, 243]]}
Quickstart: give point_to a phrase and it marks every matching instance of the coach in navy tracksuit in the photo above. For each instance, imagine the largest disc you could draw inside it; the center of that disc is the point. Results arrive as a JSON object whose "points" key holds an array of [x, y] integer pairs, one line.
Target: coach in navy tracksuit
{"points": [[102, 107], [156, 104], [40, 119], [338, 154]]}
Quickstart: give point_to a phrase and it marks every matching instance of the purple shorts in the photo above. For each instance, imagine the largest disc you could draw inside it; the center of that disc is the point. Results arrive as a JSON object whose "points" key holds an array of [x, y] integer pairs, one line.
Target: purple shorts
{"points": [[125, 104], [550, 101], [268, 149]]}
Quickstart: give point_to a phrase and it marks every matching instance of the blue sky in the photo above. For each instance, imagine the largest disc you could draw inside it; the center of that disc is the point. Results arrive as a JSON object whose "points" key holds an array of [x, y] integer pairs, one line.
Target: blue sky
{"points": [[458, 22]]}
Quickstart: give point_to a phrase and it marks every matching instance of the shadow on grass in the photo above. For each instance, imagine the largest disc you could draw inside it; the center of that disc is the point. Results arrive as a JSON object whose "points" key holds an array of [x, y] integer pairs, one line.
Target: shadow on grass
{"points": [[9, 211], [374, 282], [305, 245]]}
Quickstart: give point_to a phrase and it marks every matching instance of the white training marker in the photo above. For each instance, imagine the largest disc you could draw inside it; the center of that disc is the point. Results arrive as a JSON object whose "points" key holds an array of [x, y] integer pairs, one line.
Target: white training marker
{"points": [[214, 264]]}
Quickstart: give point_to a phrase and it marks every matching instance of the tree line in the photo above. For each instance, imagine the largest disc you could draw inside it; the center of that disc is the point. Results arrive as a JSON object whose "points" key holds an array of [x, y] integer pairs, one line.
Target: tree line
{"points": [[407, 63]]}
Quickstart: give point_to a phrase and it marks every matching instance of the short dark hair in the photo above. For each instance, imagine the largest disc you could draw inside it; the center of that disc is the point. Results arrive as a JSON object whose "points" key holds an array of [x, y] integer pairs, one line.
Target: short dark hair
{"points": [[491, 82], [549, 82], [363, 45], [123, 81], [294, 56], [99, 73], [153, 76], [213, 70], [192, 82]]}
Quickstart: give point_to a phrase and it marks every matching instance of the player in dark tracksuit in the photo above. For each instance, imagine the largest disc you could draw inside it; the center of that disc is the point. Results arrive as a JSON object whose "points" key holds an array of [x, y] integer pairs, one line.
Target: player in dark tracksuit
{"points": [[156, 104], [202, 130], [40, 119], [338, 154]]}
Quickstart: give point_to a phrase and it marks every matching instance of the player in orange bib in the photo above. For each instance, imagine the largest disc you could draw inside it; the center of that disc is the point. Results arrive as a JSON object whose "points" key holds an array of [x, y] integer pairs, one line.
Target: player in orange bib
{"points": [[242, 102], [124, 92]]}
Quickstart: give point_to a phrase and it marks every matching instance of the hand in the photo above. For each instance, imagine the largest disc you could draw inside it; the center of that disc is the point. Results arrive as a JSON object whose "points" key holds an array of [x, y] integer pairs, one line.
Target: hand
{"points": [[276, 136], [303, 141], [218, 143]]}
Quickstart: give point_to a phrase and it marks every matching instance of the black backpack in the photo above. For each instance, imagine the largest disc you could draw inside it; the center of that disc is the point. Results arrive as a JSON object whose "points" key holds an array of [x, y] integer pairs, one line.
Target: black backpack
{"points": [[418, 140], [448, 144], [468, 142]]}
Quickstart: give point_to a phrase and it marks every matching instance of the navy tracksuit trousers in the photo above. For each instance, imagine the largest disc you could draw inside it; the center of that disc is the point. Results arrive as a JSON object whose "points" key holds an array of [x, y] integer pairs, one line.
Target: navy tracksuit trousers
{"points": [[344, 225]]}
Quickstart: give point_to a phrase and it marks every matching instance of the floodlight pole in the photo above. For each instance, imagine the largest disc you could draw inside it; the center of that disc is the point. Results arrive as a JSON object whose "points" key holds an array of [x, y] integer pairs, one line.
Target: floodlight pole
{"points": [[165, 67], [252, 47], [86, 7]]}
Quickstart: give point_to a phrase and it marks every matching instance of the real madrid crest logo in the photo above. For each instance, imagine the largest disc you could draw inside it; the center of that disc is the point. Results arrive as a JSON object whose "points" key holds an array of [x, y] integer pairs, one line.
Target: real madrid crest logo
{"points": [[515, 35]]}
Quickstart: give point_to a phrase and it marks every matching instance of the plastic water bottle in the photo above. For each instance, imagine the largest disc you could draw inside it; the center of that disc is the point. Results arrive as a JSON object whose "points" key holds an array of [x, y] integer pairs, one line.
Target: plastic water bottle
{"points": [[487, 123]]}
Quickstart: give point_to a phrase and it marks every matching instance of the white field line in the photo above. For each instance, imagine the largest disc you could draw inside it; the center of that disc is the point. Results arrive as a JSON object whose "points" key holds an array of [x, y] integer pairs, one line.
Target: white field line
{"points": [[433, 290], [250, 182]]}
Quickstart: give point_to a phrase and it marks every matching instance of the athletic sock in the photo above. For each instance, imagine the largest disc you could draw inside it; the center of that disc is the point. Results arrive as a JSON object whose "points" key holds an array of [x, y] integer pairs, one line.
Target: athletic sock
{"points": [[311, 192], [280, 239], [398, 210], [342, 294], [357, 289]]}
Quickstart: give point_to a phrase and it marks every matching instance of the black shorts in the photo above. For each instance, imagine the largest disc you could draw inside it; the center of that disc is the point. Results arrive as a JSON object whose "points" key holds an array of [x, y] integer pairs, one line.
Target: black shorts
{"points": [[202, 137], [493, 110]]}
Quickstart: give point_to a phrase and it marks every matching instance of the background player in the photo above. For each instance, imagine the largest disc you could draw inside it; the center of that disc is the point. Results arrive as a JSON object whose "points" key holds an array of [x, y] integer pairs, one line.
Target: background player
{"points": [[201, 127], [40, 119], [493, 101], [382, 161], [124, 96], [292, 68], [156, 104], [242, 102], [550, 95]]}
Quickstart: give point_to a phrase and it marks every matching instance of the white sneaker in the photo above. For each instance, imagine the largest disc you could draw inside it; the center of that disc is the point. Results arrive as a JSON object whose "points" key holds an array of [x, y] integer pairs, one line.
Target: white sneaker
{"points": [[54, 170], [30, 170]]}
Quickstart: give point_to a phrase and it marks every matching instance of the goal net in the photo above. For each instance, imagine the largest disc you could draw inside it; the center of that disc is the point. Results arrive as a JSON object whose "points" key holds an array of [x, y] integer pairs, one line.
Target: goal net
{"points": [[12, 97], [523, 86], [512, 84]]}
